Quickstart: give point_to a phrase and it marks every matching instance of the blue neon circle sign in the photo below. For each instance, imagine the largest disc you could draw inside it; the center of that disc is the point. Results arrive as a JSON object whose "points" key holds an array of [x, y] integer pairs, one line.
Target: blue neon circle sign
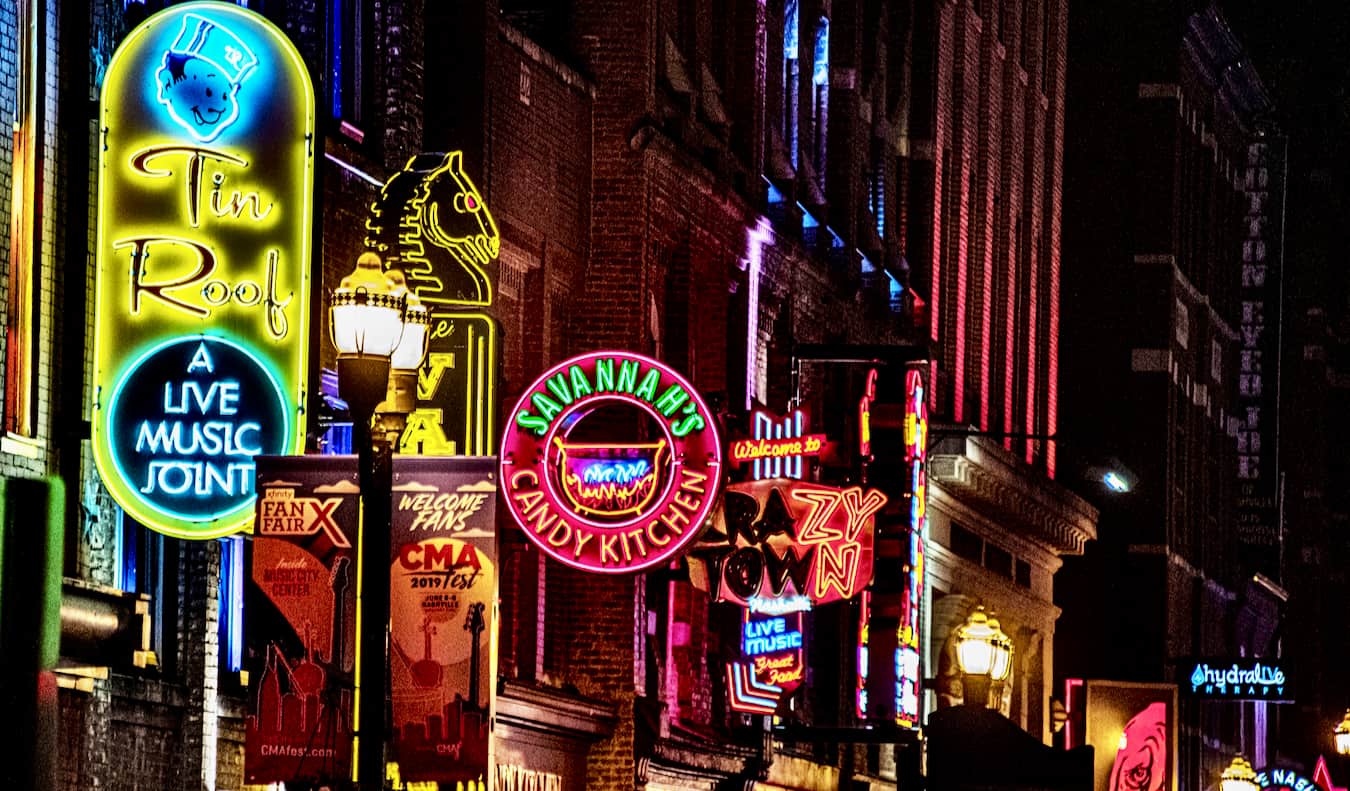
{"points": [[186, 421]]}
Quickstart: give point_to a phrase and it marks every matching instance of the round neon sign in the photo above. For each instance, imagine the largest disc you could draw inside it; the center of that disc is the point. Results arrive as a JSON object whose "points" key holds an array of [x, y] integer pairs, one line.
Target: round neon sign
{"points": [[186, 421], [611, 462]]}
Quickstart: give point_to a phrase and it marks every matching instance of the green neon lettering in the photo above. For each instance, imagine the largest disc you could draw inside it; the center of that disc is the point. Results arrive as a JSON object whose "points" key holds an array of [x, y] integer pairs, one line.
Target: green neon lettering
{"points": [[671, 400], [628, 371], [558, 386], [548, 408], [604, 375], [647, 390], [532, 422], [580, 386], [690, 423]]}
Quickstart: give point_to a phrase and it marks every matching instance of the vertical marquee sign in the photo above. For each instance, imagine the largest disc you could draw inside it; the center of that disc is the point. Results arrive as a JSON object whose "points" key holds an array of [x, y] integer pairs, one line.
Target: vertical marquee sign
{"points": [[203, 251], [611, 462], [431, 223]]}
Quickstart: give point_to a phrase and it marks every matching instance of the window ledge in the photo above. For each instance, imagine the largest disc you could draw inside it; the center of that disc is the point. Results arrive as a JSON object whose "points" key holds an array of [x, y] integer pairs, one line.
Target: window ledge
{"points": [[20, 446]]}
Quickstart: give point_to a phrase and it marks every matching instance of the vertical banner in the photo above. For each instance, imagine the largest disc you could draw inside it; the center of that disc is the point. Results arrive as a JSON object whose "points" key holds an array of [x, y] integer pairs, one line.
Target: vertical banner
{"points": [[1133, 731], [442, 616], [1259, 529], [301, 620], [204, 226]]}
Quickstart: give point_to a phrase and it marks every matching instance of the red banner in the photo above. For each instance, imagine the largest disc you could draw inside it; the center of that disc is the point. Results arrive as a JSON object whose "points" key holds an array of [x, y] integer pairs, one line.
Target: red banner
{"points": [[301, 615], [443, 580]]}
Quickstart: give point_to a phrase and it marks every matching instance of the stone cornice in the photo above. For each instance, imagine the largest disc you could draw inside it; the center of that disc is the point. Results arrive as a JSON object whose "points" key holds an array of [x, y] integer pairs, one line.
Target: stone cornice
{"points": [[554, 712], [1026, 503]]}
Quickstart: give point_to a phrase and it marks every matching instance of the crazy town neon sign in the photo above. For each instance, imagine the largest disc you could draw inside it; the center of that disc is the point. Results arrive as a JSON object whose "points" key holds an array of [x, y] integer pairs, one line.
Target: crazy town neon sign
{"points": [[205, 204], [779, 537], [611, 462]]}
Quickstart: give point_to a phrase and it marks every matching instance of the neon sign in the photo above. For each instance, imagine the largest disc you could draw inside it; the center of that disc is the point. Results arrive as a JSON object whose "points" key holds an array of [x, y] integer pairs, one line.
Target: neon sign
{"points": [[772, 661], [777, 445], [1284, 780], [432, 223], [865, 415], [1238, 679], [908, 665], [777, 538], [205, 204], [629, 502]]}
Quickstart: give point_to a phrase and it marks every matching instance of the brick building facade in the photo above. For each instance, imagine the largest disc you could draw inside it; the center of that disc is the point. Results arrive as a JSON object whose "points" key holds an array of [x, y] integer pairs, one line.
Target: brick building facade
{"points": [[1182, 315], [715, 185]]}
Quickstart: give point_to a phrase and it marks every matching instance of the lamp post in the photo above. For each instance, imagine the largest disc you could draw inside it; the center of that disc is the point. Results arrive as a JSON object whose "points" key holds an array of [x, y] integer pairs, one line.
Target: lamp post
{"points": [[1343, 735], [378, 328], [1239, 776], [984, 655]]}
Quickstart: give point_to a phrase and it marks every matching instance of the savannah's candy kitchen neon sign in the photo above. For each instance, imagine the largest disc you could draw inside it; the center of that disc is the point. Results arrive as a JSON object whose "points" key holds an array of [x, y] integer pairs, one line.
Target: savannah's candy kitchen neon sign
{"points": [[205, 199], [588, 484], [431, 223]]}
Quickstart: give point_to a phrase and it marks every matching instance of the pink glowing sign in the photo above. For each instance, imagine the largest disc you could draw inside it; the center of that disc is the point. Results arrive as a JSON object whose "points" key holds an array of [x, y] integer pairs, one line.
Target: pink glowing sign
{"points": [[611, 462]]}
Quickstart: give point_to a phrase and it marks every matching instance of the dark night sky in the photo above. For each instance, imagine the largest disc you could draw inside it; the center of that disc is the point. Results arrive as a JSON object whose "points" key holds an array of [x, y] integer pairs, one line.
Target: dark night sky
{"points": [[1301, 48]]}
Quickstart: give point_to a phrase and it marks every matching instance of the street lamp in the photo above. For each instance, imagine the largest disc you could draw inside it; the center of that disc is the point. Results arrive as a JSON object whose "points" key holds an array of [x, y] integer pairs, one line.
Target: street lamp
{"points": [[984, 655], [1239, 776], [1343, 735], [377, 325]]}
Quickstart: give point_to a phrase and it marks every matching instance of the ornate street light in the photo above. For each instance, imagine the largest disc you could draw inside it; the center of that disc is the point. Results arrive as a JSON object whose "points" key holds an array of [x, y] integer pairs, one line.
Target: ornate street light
{"points": [[1343, 735], [984, 655], [1239, 776], [377, 325]]}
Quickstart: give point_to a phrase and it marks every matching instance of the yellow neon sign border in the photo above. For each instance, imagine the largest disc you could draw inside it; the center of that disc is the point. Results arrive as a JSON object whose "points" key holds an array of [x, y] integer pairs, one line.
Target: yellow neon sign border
{"points": [[283, 45]]}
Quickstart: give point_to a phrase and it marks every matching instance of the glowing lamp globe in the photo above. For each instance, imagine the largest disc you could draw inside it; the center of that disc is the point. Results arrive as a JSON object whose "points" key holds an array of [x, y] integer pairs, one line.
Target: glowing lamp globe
{"points": [[1343, 735], [366, 317], [982, 648], [1239, 776], [412, 346], [366, 311]]}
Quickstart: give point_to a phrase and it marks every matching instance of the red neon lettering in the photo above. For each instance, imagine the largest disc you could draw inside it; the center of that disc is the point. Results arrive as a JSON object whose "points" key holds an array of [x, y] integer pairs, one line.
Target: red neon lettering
{"points": [[814, 528], [838, 569], [860, 508]]}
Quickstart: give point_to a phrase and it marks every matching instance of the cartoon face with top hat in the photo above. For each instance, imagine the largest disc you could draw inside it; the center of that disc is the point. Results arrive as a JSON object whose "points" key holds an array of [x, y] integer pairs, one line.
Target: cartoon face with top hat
{"points": [[200, 77]]}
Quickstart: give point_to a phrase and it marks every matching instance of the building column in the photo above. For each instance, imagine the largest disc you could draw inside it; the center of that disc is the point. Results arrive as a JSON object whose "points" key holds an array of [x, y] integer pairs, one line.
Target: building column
{"points": [[199, 581]]}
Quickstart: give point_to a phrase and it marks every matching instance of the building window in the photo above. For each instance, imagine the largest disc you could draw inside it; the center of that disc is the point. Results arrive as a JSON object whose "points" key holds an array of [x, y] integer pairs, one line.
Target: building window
{"points": [[820, 99], [966, 544], [348, 64], [25, 225], [1183, 325]]}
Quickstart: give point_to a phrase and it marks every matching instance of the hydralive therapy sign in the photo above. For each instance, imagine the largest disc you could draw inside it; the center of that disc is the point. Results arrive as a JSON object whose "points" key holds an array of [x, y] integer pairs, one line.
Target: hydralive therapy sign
{"points": [[205, 200], [611, 462], [1234, 678]]}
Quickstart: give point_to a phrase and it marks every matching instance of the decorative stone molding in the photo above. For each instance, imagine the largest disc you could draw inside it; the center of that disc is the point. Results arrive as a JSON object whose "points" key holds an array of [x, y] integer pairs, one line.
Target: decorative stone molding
{"points": [[991, 480]]}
